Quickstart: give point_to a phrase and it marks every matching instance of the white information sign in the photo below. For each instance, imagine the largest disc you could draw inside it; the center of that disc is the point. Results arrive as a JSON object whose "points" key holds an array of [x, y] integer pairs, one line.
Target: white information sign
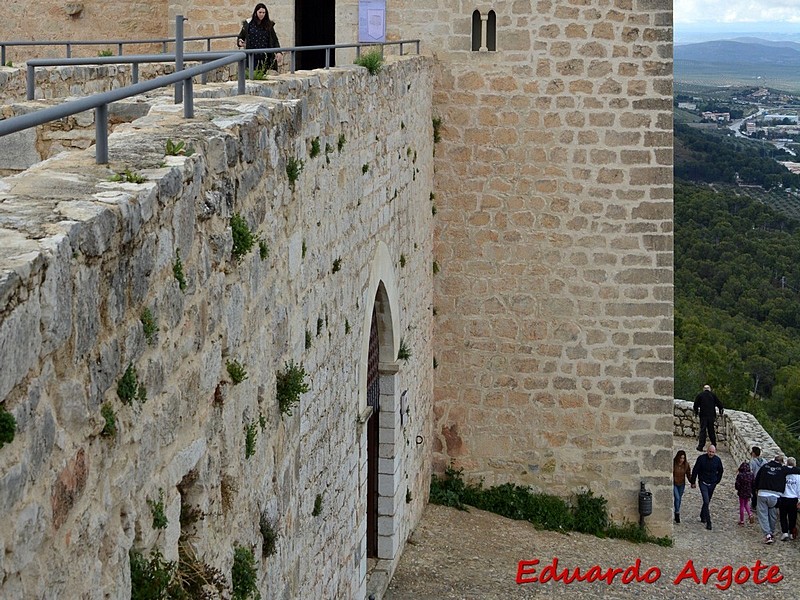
{"points": [[371, 20]]}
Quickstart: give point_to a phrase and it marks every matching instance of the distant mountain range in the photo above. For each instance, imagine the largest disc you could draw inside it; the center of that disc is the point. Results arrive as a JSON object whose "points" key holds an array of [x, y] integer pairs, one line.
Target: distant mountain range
{"points": [[741, 51]]}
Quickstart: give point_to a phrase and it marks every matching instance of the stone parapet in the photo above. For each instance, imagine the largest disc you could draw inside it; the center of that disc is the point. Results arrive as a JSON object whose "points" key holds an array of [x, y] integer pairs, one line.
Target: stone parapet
{"points": [[104, 282], [739, 431]]}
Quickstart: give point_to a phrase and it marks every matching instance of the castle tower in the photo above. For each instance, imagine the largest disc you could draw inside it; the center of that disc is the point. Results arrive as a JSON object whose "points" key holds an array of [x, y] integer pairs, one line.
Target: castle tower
{"points": [[553, 186]]}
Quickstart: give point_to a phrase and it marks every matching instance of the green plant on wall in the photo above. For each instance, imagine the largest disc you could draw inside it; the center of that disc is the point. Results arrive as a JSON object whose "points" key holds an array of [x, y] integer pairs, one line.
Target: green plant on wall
{"points": [[403, 353], [157, 511], [243, 237], [364, 168], [294, 167], [236, 371], [8, 426], [177, 149], [263, 250], [402, 260], [372, 61], [337, 264], [106, 52], [243, 574], [149, 325], [127, 176], [151, 579], [250, 435], [315, 149], [129, 388], [346, 327], [110, 418], [435, 267], [341, 142], [320, 323], [269, 535], [437, 129], [308, 339], [177, 271], [317, 511], [289, 385]]}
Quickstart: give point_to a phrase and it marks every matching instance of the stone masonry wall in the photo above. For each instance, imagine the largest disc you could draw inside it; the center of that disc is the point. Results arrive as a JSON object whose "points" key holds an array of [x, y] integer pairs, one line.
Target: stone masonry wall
{"points": [[82, 257], [554, 239]]}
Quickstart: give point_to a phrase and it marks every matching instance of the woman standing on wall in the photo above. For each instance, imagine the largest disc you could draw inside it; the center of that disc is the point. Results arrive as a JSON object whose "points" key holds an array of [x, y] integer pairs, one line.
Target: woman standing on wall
{"points": [[259, 32], [680, 473]]}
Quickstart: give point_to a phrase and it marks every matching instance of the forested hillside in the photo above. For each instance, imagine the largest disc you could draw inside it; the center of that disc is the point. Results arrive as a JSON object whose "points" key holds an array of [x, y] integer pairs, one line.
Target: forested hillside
{"points": [[737, 305], [718, 157]]}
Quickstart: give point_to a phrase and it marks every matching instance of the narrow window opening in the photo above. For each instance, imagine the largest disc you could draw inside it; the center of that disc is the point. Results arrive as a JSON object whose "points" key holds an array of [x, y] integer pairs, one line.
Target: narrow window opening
{"points": [[476, 31], [491, 32]]}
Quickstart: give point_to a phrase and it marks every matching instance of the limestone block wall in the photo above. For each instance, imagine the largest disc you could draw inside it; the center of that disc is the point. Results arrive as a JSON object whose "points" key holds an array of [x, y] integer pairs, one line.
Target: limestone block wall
{"points": [[738, 431], [82, 258], [63, 82], [554, 239], [51, 20]]}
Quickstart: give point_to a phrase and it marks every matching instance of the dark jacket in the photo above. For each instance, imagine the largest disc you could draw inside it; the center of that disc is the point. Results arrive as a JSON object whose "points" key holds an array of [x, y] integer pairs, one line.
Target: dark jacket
{"points": [[708, 470], [704, 404], [772, 477], [744, 481]]}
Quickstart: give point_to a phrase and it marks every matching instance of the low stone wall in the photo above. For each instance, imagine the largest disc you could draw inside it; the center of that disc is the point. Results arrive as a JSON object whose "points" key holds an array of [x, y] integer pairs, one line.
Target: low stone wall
{"points": [[738, 431], [84, 80]]}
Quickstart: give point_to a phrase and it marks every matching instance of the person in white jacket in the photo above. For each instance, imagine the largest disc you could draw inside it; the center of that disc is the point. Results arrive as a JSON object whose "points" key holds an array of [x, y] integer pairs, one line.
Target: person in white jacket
{"points": [[787, 505]]}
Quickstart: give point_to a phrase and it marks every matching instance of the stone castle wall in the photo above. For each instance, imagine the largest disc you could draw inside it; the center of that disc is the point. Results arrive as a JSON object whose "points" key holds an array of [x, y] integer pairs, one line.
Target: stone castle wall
{"points": [[82, 258], [553, 182]]}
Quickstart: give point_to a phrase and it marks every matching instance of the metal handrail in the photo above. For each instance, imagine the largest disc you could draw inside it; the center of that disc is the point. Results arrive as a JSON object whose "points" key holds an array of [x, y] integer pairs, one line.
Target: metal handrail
{"points": [[100, 102], [182, 78], [133, 59], [118, 43]]}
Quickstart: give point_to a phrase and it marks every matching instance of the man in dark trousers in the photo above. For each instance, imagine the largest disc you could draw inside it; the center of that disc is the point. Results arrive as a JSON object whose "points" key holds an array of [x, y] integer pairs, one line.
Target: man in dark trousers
{"points": [[707, 472], [705, 404], [770, 483]]}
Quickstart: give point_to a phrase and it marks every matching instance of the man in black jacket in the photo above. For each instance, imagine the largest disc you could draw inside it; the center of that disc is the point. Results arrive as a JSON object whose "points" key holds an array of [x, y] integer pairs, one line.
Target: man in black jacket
{"points": [[708, 472], [704, 405], [770, 483]]}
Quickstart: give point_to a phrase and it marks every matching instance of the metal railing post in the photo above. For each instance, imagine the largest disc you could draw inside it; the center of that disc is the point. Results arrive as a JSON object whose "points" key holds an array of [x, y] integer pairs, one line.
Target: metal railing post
{"points": [[101, 134], [135, 73], [188, 98], [241, 68], [250, 60], [30, 84], [3, 56], [179, 56], [327, 58], [69, 50], [119, 49], [292, 61]]}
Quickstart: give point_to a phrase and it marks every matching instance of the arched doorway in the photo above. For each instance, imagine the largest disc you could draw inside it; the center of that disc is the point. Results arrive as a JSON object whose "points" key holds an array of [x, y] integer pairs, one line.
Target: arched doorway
{"points": [[315, 25], [373, 434]]}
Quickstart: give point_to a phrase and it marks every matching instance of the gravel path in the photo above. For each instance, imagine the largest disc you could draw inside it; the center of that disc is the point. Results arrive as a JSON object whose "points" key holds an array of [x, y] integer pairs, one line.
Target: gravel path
{"points": [[475, 555]]}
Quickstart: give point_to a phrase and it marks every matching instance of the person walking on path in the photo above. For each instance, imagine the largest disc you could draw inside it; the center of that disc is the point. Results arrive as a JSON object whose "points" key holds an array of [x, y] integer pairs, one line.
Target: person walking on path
{"points": [[704, 405], [707, 473], [770, 483], [744, 489], [756, 462], [787, 505], [680, 473]]}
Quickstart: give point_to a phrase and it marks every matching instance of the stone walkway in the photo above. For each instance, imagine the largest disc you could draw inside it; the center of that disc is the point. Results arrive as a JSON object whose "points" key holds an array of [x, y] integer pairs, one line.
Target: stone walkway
{"points": [[474, 555]]}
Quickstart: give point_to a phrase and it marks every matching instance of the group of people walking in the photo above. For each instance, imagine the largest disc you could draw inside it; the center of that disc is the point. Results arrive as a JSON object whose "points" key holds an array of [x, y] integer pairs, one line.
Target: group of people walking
{"points": [[770, 488]]}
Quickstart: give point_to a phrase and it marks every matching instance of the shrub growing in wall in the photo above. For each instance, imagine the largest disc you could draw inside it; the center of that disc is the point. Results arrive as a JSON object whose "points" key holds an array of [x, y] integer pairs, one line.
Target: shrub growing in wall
{"points": [[243, 575], [8, 426], [289, 384]]}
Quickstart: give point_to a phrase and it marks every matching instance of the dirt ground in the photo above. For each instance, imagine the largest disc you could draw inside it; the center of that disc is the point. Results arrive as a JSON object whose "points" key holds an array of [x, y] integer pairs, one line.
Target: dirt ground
{"points": [[476, 555]]}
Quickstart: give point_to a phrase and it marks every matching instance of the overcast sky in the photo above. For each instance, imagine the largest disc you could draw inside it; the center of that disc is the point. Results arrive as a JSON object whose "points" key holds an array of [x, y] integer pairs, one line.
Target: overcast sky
{"points": [[749, 12]]}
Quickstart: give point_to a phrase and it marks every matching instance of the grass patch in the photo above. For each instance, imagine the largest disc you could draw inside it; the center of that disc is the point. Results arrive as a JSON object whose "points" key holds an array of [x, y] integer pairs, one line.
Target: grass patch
{"points": [[372, 61], [584, 513]]}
